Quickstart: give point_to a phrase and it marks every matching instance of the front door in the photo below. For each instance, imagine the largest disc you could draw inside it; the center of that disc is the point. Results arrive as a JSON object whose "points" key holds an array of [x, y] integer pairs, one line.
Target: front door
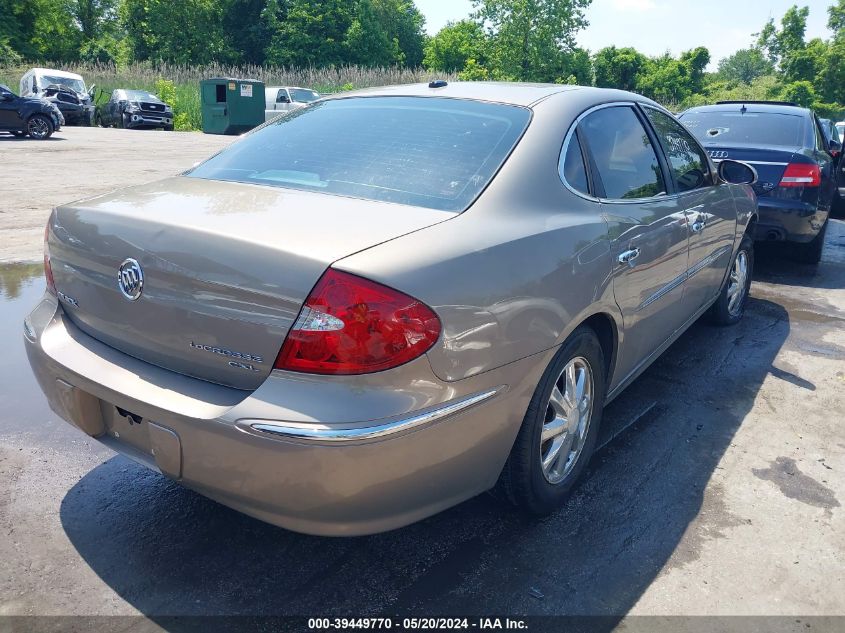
{"points": [[9, 106], [647, 227]]}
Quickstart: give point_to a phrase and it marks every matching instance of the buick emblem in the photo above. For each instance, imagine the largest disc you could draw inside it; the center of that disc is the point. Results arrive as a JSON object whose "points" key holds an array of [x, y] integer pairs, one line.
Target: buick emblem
{"points": [[718, 154], [130, 279]]}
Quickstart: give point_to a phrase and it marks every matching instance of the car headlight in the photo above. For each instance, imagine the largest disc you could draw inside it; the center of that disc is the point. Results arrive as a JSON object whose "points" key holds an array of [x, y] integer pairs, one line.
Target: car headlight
{"points": [[132, 106]]}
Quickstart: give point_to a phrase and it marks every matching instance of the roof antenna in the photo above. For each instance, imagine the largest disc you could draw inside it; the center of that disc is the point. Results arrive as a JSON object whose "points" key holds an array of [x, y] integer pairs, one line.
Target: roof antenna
{"points": [[743, 109]]}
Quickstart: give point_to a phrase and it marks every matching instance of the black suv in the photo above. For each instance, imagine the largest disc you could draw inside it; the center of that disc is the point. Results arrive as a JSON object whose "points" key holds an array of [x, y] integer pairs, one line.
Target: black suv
{"points": [[28, 115], [795, 162]]}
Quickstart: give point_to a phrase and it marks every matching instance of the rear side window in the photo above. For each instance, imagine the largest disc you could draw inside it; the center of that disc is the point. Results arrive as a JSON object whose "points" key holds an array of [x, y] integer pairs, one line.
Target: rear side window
{"points": [[623, 154], [572, 168], [756, 128], [687, 161], [431, 152]]}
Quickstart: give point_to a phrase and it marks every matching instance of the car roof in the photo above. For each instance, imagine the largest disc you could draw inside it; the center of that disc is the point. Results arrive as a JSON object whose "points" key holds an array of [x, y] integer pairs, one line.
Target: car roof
{"points": [[775, 108], [55, 73], [521, 94]]}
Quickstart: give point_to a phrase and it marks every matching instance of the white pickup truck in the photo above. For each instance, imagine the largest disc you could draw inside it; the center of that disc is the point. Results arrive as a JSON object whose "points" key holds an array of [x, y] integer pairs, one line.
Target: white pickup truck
{"points": [[279, 99]]}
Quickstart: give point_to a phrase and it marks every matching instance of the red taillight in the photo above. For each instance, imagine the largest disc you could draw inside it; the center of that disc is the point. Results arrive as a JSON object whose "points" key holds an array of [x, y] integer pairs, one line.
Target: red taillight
{"points": [[48, 269], [801, 175], [350, 325]]}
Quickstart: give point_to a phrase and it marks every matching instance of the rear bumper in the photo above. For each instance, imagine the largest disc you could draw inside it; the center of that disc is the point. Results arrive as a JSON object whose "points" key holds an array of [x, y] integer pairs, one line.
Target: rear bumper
{"points": [[789, 220], [323, 455]]}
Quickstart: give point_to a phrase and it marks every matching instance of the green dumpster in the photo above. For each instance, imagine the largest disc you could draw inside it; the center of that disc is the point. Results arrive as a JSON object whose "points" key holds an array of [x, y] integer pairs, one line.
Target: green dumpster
{"points": [[231, 106]]}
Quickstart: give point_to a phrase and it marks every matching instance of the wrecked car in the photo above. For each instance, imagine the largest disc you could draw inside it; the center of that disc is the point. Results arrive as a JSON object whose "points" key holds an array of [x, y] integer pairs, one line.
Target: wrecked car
{"points": [[134, 109], [65, 89]]}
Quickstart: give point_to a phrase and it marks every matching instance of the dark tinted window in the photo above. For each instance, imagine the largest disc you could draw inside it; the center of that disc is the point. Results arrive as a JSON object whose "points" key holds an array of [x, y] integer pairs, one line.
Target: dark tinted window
{"points": [[758, 128], [686, 159], [572, 168], [433, 152], [624, 156]]}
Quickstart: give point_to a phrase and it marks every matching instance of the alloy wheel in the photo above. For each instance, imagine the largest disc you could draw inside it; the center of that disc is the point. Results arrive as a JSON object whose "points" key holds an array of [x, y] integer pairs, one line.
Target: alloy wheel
{"points": [[38, 128], [738, 283], [567, 421]]}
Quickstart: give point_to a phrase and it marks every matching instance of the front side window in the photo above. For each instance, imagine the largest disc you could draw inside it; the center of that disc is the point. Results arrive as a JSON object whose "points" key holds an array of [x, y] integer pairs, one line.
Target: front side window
{"points": [[687, 161], [623, 154], [432, 152]]}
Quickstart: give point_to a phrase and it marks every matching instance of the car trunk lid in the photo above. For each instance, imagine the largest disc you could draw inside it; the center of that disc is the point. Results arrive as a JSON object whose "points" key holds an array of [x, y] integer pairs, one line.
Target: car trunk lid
{"points": [[226, 267], [770, 162]]}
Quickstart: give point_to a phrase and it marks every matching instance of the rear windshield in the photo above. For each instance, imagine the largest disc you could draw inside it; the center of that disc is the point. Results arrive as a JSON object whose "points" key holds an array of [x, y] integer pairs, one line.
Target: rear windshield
{"points": [[758, 128], [431, 152]]}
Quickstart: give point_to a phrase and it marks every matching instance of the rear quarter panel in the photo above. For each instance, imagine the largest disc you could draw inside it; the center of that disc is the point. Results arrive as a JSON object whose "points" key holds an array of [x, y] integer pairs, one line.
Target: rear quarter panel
{"points": [[515, 273]]}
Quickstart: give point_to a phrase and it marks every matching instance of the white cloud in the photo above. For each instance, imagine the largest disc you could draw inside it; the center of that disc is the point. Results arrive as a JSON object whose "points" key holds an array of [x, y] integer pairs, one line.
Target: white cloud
{"points": [[634, 5]]}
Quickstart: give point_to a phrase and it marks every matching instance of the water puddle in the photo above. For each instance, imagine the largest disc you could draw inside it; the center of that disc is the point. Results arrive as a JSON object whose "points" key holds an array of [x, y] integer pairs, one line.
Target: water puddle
{"points": [[23, 408]]}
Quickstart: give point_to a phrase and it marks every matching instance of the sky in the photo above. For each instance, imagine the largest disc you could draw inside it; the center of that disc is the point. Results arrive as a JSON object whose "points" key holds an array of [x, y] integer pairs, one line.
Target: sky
{"points": [[655, 26]]}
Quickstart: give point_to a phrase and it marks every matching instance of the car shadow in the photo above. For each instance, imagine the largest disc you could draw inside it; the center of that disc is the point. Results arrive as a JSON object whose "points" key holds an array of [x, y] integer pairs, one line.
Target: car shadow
{"points": [[774, 265], [170, 552]]}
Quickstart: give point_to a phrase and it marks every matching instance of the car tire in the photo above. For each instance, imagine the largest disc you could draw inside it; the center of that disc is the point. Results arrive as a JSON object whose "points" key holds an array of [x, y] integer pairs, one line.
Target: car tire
{"points": [[168, 128], [531, 479], [39, 127], [810, 252], [838, 208], [733, 297]]}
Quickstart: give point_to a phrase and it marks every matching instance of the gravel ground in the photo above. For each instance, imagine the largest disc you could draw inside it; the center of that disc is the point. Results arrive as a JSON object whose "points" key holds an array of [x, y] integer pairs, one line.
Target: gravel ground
{"points": [[78, 162]]}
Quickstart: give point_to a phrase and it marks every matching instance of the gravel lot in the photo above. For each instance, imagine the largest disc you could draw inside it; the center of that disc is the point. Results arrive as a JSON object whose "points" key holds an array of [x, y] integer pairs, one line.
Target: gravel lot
{"points": [[719, 489], [78, 162]]}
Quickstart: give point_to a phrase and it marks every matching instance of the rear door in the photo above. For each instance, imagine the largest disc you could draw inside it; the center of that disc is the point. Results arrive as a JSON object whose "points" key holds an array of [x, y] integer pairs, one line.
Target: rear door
{"points": [[709, 207], [647, 226]]}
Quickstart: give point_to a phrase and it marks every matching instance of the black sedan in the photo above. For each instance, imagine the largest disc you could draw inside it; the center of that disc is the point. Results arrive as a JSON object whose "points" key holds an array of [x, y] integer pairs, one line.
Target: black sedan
{"points": [[134, 109], [795, 162], [33, 116]]}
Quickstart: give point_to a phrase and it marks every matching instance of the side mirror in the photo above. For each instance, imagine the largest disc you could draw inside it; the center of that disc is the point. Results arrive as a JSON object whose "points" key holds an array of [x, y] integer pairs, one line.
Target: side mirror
{"points": [[737, 173], [835, 148]]}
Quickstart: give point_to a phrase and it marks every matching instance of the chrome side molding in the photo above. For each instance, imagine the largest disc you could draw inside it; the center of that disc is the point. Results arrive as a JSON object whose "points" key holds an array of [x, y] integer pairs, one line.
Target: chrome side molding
{"points": [[327, 433]]}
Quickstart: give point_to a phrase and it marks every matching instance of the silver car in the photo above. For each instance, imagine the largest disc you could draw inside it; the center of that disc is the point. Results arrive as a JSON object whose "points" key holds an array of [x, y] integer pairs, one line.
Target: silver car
{"points": [[390, 301]]}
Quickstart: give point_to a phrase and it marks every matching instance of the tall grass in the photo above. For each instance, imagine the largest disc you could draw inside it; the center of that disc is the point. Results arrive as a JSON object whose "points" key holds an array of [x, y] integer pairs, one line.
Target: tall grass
{"points": [[143, 76]]}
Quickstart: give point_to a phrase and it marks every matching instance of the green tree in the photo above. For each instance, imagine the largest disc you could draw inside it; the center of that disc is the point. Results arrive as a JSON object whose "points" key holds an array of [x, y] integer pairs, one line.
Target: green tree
{"points": [[618, 67], [454, 45], [386, 32], [157, 31], [246, 28], [745, 65], [778, 44], [368, 42], [836, 18], [529, 37], [308, 32], [696, 62], [800, 92]]}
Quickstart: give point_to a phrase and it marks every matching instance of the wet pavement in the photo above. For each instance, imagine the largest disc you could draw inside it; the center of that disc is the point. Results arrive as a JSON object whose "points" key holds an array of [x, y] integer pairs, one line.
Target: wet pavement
{"points": [[718, 492]]}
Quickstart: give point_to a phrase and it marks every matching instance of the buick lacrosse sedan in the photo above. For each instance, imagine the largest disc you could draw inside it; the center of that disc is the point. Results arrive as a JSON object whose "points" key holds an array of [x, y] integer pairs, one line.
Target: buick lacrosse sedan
{"points": [[388, 302]]}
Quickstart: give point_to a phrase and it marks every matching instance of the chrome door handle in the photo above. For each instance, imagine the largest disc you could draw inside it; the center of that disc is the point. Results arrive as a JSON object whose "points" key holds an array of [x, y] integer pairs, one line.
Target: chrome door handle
{"points": [[628, 257]]}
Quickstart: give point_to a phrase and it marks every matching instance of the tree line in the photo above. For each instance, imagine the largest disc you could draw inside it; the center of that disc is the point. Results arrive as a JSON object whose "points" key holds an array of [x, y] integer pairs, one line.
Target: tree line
{"points": [[508, 40]]}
